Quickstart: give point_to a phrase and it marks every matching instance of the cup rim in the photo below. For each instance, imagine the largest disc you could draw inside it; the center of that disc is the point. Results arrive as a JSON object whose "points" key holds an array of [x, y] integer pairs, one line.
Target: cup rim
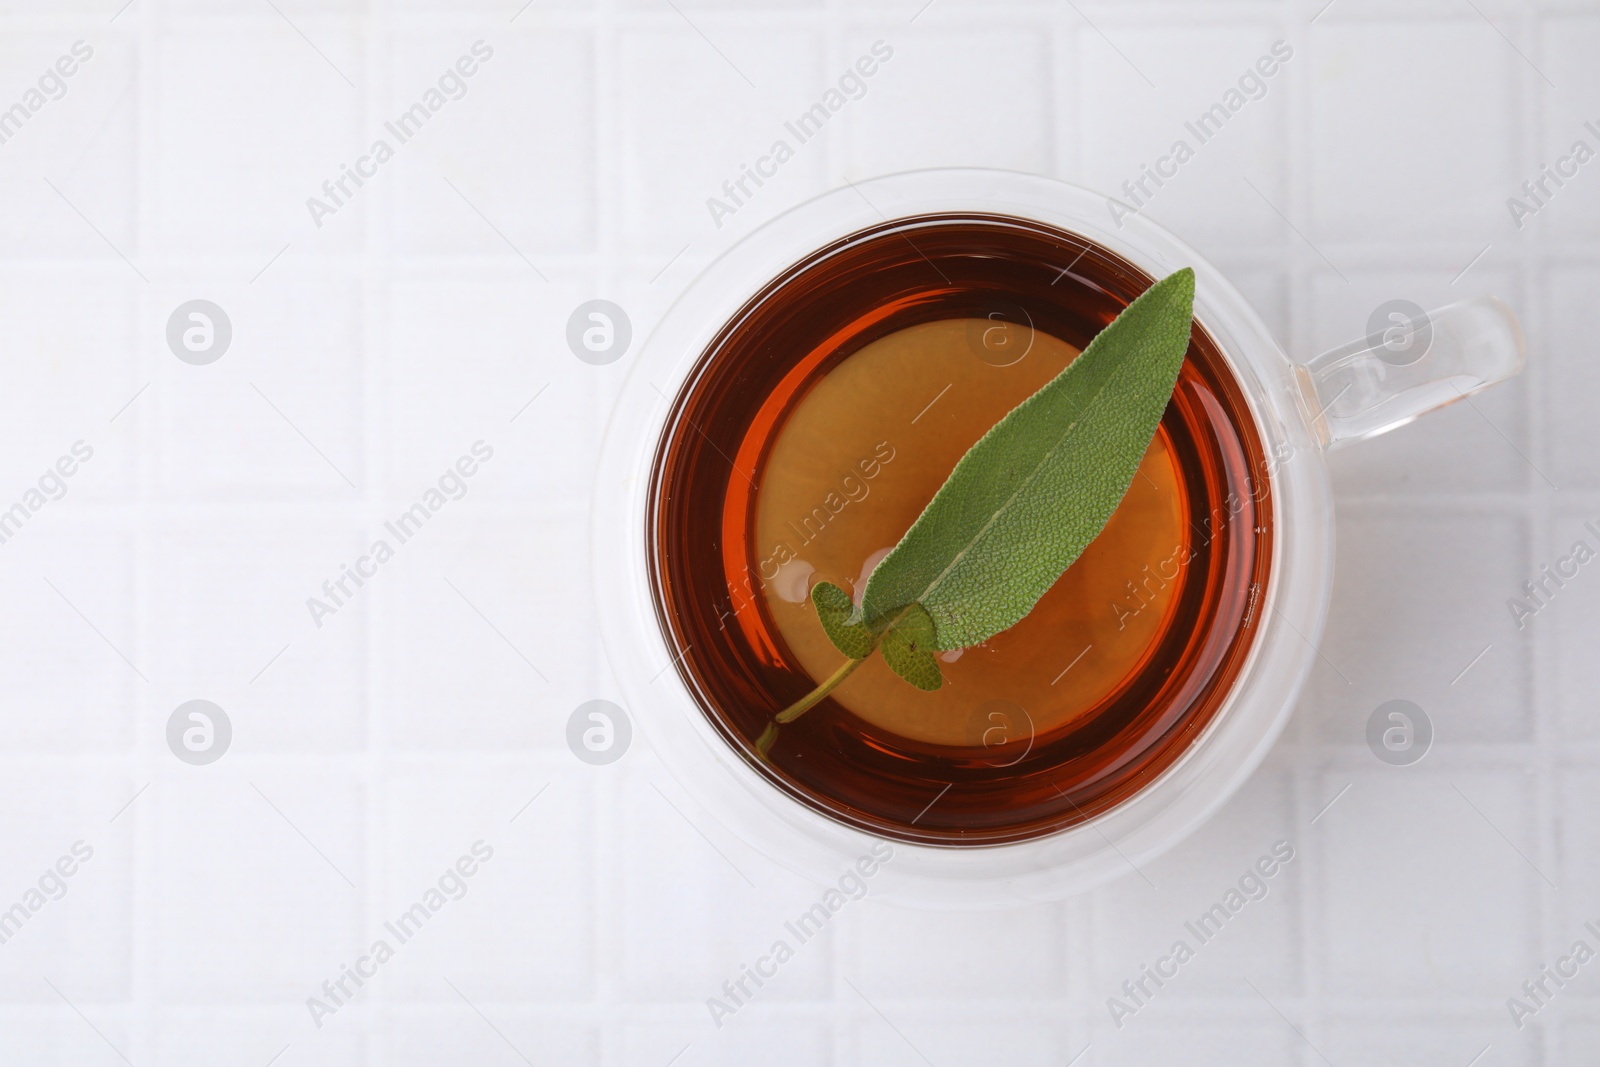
{"points": [[733, 799]]}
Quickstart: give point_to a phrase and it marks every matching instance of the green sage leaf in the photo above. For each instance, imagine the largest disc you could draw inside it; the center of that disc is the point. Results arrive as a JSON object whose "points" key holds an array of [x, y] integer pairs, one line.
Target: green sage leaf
{"points": [[908, 646], [834, 608], [1027, 499]]}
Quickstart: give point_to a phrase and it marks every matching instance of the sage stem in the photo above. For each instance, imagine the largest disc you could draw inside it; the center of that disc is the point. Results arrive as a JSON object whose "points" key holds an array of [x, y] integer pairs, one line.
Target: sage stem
{"points": [[806, 703]]}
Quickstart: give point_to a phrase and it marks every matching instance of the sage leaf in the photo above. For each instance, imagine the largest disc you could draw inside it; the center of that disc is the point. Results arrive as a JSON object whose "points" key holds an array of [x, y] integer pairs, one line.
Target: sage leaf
{"points": [[905, 637], [1033, 492], [907, 648], [834, 608]]}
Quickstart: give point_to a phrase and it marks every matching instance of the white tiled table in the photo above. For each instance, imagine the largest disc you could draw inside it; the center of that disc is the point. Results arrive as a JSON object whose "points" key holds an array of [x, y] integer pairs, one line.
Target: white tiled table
{"points": [[369, 353]]}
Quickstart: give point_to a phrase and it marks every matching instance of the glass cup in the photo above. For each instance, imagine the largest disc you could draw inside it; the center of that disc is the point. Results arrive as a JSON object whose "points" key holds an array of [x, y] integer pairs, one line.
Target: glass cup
{"points": [[1410, 363]]}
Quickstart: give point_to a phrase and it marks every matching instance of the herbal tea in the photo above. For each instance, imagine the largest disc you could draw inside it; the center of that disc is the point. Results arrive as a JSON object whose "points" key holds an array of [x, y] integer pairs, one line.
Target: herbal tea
{"points": [[817, 427]]}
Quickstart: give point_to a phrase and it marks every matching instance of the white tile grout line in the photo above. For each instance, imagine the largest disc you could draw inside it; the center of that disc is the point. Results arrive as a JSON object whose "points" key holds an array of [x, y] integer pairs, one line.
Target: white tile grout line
{"points": [[1538, 496], [376, 286], [145, 18], [1296, 117], [607, 853]]}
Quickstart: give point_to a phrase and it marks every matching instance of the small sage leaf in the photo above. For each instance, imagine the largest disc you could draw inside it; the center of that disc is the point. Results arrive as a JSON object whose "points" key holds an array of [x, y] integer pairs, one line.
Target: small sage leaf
{"points": [[908, 648], [834, 608], [1027, 499]]}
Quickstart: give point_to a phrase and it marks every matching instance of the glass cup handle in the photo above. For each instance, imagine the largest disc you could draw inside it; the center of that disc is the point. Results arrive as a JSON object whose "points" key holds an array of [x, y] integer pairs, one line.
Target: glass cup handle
{"points": [[1410, 362]]}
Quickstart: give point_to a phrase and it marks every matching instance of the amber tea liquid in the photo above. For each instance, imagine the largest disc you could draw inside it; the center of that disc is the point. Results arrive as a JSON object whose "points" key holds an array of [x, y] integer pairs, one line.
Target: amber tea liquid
{"points": [[814, 430]]}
